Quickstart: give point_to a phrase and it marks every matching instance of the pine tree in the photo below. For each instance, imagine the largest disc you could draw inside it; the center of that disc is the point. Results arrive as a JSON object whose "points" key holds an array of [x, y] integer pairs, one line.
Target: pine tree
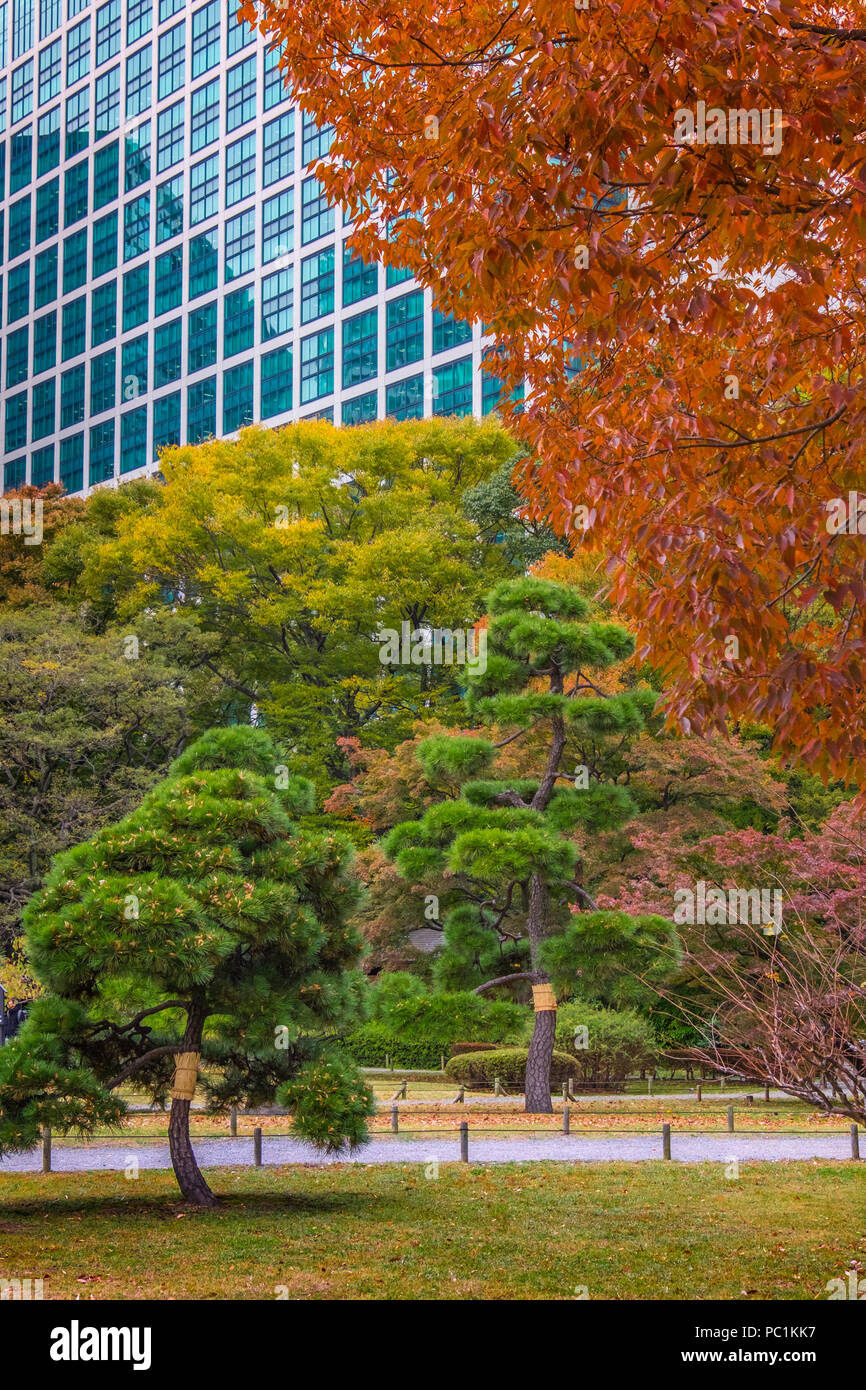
{"points": [[209, 927], [506, 843]]}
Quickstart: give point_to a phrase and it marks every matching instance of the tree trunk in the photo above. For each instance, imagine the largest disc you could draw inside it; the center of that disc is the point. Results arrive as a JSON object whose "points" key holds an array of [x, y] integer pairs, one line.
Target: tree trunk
{"points": [[538, 1100], [537, 1087], [189, 1179]]}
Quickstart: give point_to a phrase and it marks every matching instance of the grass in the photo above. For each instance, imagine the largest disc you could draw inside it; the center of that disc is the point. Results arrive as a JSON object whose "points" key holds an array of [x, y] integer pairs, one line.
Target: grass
{"points": [[540, 1231]]}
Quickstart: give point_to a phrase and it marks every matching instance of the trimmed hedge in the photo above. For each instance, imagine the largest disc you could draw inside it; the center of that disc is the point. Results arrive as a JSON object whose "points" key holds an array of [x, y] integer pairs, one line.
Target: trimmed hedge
{"points": [[370, 1044], [479, 1069], [457, 1049]]}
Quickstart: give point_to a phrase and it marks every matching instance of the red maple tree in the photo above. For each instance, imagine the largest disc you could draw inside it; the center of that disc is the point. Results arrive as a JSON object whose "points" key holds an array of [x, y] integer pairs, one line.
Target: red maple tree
{"points": [[530, 160]]}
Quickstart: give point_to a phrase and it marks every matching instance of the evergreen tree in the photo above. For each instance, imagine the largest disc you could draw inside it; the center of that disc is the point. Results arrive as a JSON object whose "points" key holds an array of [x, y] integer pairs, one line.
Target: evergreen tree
{"points": [[208, 927], [503, 518], [506, 843]]}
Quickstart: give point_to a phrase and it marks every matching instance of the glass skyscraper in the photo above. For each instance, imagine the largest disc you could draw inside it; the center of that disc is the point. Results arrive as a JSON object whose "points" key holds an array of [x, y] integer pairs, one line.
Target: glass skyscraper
{"points": [[170, 267]]}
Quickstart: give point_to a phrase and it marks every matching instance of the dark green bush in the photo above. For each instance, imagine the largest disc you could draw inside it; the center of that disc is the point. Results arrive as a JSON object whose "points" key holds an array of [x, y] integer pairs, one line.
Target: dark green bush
{"points": [[479, 1069], [370, 1044], [458, 1048]]}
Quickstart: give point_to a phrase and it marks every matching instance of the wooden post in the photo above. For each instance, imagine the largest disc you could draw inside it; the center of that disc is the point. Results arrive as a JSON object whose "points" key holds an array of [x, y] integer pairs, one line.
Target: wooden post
{"points": [[566, 1120], [461, 1095], [699, 1092], [750, 1100], [855, 1142], [464, 1141], [496, 1091], [649, 1084], [565, 1092], [257, 1147], [721, 1083], [233, 1122], [441, 1061], [666, 1141], [730, 1119], [46, 1150], [394, 1120], [767, 1093], [405, 1089]]}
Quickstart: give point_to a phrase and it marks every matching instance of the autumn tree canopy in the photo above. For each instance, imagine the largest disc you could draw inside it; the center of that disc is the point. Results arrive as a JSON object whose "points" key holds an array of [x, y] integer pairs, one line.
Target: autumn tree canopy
{"points": [[288, 550], [685, 304]]}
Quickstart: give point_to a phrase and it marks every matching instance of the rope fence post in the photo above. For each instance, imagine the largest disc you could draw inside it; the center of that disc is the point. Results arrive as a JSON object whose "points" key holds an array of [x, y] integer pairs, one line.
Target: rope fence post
{"points": [[699, 1092], [649, 1084], [767, 1093], [566, 1120], [666, 1141], [855, 1142], [46, 1150], [257, 1147], [730, 1119], [441, 1061], [464, 1141], [496, 1086], [395, 1121], [233, 1122], [750, 1100]]}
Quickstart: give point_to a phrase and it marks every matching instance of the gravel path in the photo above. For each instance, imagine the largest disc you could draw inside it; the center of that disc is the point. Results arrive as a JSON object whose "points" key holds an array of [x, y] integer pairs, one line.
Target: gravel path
{"points": [[217, 1153]]}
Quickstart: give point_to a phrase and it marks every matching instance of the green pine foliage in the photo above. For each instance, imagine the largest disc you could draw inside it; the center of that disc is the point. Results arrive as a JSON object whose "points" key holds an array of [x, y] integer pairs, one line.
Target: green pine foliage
{"points": [[211, 897], [406, 1007], [612, 958], [493, 836], [414, 1026]]}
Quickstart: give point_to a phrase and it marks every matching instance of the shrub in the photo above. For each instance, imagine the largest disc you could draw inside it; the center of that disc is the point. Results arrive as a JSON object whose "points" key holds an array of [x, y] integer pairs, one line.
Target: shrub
{"points": [[619, 1041], [479, 1069], [370, 1044], [457, 1049]]}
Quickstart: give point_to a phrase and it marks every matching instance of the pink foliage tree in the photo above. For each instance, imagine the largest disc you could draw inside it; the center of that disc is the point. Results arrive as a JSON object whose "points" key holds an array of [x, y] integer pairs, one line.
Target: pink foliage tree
{"points": [[786, 1008]]}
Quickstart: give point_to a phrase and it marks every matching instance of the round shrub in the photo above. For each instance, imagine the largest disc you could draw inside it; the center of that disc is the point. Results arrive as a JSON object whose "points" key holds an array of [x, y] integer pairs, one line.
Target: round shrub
{"points": [[478, 1070]]}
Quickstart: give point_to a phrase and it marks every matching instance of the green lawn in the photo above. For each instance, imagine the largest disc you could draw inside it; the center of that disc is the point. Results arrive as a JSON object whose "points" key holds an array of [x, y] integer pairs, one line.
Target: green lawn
{"points": [[622, 1231]]}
